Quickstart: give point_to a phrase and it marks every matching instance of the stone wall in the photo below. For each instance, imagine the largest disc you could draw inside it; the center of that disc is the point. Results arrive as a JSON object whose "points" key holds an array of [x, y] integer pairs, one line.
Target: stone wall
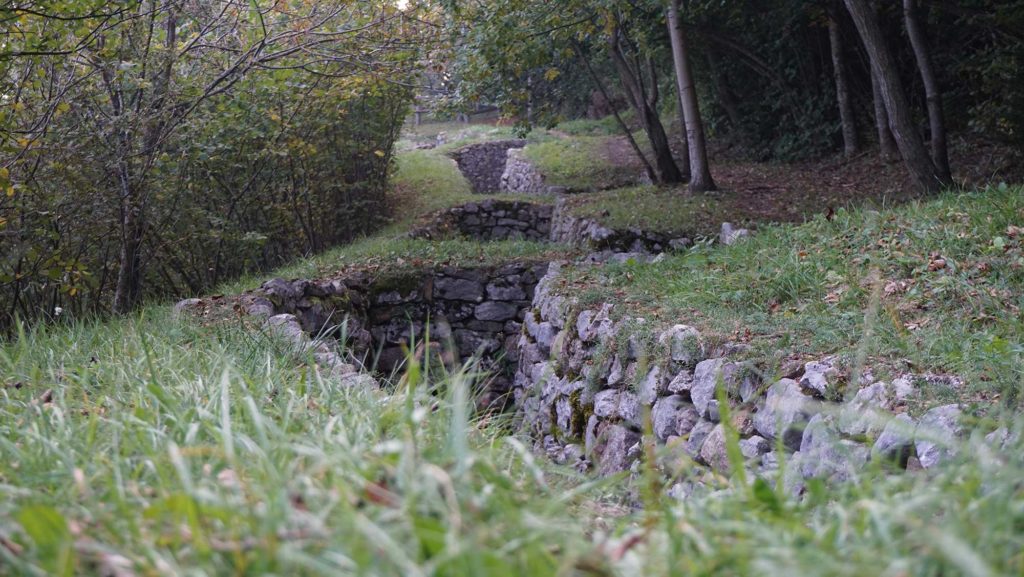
{"points": [[468, 312], [483, 164], [521, 177], [591, 235], [584, 380], [492, 220]]}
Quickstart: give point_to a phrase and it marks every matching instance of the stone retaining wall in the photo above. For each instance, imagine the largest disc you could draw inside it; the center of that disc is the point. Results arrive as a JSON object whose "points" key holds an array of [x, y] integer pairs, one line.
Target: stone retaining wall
{"points": [[584, 381], [522, 177], [589, 234], [468, 312], [483, 164], [492, 220]]}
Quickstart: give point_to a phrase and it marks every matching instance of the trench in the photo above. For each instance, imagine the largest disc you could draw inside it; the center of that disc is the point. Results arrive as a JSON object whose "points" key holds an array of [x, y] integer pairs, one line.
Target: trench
{"points": [[449, 315]]}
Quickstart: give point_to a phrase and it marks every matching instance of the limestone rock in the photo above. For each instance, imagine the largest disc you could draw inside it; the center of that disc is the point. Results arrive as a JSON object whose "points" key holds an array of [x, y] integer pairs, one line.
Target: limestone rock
{"points": [[615, 449], [731, 235], [187, 305], [673, 415], [713, 451], [697, 436], [684, 344], [935, 439], [820, 376], [459, 289], [709, 375], [785, 413], [896, 443], [615, 404], [754, 447], [653, 386], [826, 456], [495, 311]]}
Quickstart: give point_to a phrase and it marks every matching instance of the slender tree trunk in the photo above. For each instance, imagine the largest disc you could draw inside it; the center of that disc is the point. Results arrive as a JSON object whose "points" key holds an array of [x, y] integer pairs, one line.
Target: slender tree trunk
{"points": [[886, 144], [936, 121], [883, 67], [684, 146], [700, 172], [129, 278], [651, 174], [846, 118], [632, 81]]}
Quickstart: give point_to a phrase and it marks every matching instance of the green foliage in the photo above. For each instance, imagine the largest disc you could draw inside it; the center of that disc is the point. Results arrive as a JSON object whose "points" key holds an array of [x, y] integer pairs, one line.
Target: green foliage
{"points": [[158, 148]]}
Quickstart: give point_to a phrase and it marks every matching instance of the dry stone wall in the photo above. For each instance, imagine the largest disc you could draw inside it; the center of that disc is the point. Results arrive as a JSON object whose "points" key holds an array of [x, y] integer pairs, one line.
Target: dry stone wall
{"points": [[483, 164], [466, 312], [584, 380], [522, 177], [592, 235], [492, 220]]}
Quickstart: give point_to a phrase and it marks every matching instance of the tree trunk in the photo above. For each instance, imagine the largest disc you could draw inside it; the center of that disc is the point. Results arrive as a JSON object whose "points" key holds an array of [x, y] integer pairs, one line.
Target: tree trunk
{"points": [[886, 144], [936, 122], [648, 169], [129, 277], [700, 172], [846, 117], [665, 164], [883, 67]]}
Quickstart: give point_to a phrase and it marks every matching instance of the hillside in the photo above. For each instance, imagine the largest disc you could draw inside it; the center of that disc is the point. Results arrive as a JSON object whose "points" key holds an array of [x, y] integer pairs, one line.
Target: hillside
{"points": [[204, 437]]}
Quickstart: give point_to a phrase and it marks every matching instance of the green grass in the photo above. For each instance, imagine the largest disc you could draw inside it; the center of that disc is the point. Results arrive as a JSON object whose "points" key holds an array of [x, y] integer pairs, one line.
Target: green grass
{"points": [[166, 447], [580, 163], [392, 254], [425, 181], [671, 211], [606, 126], [807, 290]]}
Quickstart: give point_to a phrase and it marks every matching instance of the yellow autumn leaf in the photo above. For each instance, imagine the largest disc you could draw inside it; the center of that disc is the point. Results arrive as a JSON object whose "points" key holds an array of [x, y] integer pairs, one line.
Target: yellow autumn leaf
{"points": [[4, 173], [63, 107], [551, 74], [379, 153], [10, 190]]}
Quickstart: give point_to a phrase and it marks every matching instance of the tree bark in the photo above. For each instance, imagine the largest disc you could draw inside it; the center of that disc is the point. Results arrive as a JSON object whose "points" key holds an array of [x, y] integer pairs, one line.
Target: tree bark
{"points": [[933, 96], [846, 118], [883, 66], [700, 172], [632, 80], [886, 144]]}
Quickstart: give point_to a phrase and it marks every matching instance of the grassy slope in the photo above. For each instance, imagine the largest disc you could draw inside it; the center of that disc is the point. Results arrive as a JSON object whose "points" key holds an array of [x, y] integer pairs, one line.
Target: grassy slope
{"points": [[947, 296], [167, 447]]}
